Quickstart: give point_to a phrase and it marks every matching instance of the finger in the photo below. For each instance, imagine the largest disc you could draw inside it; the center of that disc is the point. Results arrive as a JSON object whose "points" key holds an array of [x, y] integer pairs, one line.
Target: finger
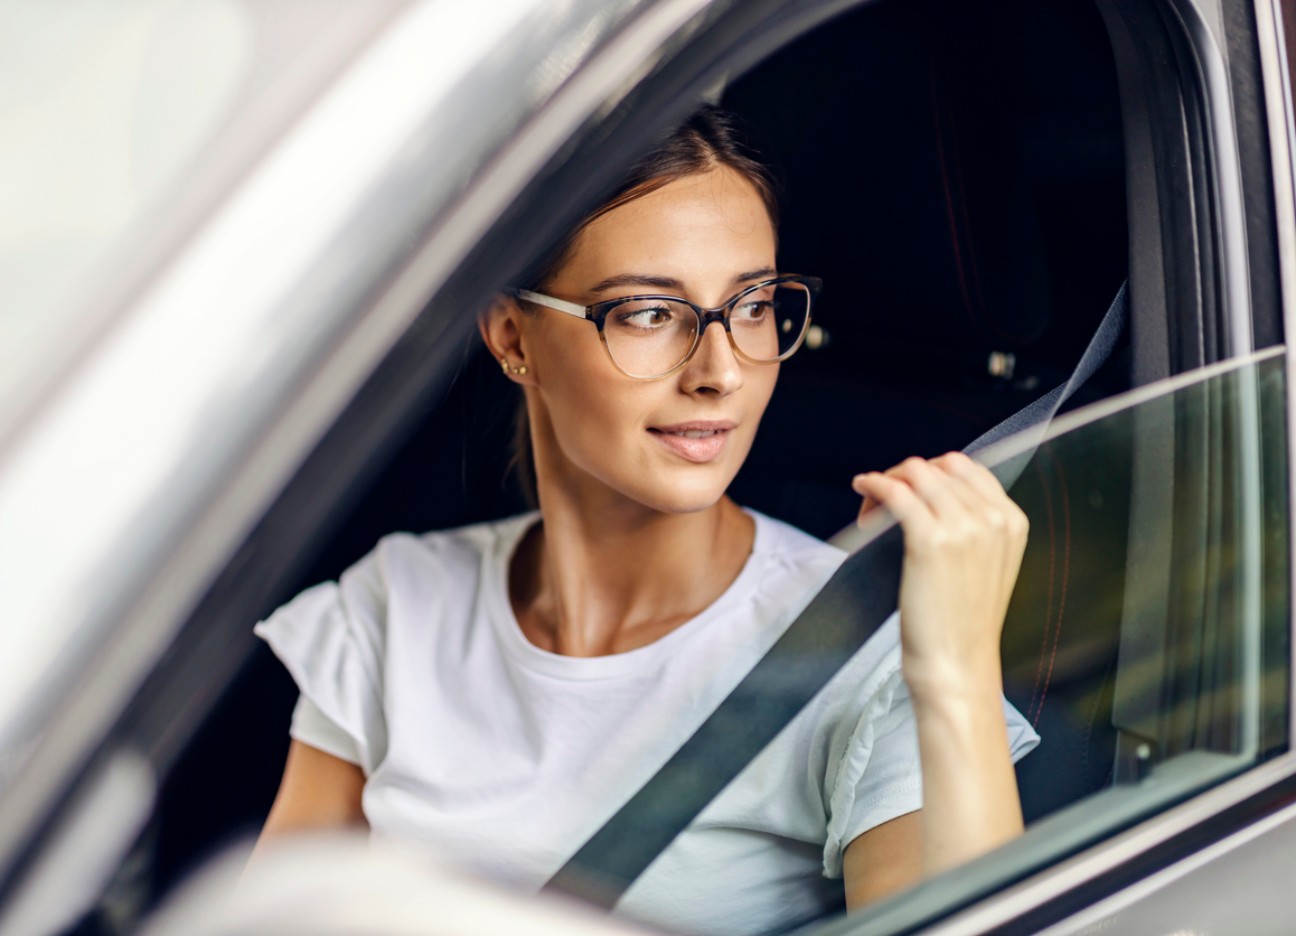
{"points": [[992, 504], [934, 486], [981, 478], [972, 495], [867, 506], [900, 500], [870, 503]]}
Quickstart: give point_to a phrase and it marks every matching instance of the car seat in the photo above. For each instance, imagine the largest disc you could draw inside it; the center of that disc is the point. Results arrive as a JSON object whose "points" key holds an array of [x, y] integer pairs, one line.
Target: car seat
{"points": [[937, 190]]}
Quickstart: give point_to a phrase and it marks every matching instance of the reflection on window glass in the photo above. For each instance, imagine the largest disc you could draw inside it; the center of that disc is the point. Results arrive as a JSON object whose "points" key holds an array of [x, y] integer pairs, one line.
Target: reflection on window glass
{"points": [[1147, 638], [1139, 628]]}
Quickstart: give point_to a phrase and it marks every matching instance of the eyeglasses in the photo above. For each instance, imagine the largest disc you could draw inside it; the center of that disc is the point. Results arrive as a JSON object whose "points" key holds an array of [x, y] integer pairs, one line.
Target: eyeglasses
{"points": [[653, 336]]}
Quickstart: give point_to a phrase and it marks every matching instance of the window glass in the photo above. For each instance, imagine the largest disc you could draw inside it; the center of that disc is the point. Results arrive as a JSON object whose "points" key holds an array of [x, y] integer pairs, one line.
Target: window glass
{"points": [[1147, 640]]}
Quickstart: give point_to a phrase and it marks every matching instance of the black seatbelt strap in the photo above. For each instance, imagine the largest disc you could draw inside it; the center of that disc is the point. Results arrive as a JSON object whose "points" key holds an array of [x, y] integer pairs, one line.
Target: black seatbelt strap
{"points": [[845, 613]]}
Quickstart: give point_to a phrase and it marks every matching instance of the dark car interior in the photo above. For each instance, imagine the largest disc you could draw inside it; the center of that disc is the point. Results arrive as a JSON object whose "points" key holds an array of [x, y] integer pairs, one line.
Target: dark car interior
{"points": [[955, 174]]}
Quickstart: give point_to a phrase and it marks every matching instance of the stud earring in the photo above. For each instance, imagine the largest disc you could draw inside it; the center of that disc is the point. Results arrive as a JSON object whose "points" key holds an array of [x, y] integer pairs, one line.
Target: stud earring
{"points": [[506, 368]]}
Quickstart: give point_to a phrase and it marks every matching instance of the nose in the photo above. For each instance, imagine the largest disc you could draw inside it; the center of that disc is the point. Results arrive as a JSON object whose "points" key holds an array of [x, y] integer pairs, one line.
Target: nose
{"points": [[714, 368]]}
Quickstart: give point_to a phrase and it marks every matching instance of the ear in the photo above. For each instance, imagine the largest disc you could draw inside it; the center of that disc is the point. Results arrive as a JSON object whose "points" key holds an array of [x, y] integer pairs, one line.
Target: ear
{"points": [[501, 329]]}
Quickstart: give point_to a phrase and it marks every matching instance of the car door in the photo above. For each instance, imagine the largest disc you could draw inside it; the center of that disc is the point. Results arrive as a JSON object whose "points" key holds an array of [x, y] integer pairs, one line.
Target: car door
{"points": [[1149, 645], [328, 326], [336, 194]]}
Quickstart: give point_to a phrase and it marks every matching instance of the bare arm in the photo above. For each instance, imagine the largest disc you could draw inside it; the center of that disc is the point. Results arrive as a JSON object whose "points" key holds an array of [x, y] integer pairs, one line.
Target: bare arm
{"points": [[970, 800], [964, 540], [318, 791], [884, 860]]}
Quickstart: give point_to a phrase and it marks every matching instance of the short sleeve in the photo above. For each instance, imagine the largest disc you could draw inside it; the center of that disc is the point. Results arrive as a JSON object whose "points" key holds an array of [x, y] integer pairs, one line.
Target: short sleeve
{"points": [[311, 726], [330, 640], [879, 775]]}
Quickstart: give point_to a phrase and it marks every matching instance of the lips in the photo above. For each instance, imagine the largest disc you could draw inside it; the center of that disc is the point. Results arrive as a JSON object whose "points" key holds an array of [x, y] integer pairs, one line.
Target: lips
{"points": [[698, 442]]}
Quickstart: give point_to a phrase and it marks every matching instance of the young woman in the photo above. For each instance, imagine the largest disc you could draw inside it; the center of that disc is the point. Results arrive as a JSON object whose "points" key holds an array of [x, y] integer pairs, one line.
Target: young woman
{"points": [[500, 690]]}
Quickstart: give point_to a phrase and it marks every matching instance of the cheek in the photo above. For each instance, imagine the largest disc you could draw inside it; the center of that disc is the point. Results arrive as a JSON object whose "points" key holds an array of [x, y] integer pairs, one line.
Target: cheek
{"points": [[599, 415], [765, 379], [570, 360], [759, 387], [599, 433], [590, 404]]}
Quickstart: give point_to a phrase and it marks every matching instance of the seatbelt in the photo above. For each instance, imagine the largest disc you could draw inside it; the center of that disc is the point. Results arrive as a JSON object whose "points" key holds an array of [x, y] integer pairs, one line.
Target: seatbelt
{"points": [[1038, 415], [845, 613]]}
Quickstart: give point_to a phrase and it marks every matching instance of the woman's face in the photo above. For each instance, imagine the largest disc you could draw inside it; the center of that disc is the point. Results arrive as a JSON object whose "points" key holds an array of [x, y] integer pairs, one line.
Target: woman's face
{"points": [[675, 443]]}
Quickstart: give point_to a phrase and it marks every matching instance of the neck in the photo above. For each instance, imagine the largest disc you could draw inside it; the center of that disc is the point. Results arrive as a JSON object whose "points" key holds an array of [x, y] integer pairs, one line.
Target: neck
{"points": [[604, 575]]}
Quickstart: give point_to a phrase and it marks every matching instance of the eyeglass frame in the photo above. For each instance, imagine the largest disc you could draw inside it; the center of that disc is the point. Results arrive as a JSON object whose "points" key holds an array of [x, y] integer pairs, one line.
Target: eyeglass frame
{"points": [[598, 312]]}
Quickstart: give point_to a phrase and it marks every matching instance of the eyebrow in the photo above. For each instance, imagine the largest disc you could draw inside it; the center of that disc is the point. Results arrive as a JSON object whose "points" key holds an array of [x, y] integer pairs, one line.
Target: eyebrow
{"points": [[669, 282], [636, 279]]}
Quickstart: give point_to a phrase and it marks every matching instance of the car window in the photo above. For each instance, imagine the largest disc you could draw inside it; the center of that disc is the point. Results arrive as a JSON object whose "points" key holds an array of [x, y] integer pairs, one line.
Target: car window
{"points": [[1147, 641]]}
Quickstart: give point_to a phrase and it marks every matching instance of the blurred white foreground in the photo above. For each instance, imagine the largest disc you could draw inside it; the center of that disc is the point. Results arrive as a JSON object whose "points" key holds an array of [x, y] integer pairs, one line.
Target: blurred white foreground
{"points": [[330, 885]]}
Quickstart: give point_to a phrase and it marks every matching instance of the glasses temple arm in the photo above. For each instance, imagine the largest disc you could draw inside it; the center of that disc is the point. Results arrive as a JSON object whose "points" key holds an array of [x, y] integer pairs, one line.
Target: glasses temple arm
{"points": [[549, 302]]}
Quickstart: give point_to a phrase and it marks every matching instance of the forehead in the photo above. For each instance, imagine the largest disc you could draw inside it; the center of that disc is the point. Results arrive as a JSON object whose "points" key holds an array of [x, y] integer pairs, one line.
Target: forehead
{"points": [[711, 223]]}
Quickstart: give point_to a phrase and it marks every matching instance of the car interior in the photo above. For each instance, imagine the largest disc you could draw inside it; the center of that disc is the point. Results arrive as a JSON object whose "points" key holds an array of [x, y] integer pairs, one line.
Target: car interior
{"points": [[955, 174]]}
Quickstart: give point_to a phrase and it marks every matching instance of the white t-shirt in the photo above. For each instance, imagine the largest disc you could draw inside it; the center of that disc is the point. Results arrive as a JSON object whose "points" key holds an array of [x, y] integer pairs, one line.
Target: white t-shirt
{"points": [[507, 757]]}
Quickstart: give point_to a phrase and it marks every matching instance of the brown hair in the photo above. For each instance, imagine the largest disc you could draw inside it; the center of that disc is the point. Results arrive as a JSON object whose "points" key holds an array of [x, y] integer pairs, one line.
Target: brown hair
{"points": [[707, 140]]}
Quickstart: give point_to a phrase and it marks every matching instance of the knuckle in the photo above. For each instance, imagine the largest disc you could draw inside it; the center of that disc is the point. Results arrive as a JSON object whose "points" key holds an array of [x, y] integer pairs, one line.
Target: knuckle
{"points": [[925, 537], [951, 537]]}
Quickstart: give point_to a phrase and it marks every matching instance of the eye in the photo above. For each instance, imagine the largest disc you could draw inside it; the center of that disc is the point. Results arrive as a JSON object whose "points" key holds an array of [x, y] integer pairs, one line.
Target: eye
{"points": [[753, 310], [645, 316]]}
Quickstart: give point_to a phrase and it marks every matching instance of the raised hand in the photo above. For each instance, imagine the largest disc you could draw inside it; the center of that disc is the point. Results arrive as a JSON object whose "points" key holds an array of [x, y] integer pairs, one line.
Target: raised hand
{"points": [[964, 540]]}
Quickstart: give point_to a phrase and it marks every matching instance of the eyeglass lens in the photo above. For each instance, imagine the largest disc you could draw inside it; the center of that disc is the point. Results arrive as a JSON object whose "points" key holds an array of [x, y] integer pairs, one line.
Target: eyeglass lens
{"points": [[650, 337]]}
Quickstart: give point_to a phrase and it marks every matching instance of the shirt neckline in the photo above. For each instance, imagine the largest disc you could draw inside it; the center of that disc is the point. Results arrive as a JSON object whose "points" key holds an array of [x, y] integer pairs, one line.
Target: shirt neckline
{"points": [[496, 564]]}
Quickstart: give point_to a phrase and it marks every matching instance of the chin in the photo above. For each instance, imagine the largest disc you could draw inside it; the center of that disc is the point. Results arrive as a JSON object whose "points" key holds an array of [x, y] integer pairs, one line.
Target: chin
{"points": [[676, 495], [696, 505]]}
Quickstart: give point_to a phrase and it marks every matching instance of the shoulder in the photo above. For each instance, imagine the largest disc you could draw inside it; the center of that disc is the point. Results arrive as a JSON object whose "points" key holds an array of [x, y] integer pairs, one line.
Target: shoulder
{"points": [[787, 568], [794, 551], [402, 569], [452, 557]]}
